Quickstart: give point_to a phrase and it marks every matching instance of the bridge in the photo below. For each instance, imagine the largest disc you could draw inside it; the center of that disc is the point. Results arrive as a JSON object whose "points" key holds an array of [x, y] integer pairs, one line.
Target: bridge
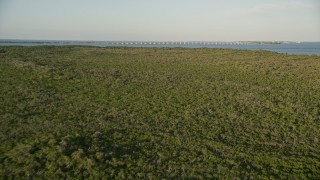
{"points": [[173, 43]]}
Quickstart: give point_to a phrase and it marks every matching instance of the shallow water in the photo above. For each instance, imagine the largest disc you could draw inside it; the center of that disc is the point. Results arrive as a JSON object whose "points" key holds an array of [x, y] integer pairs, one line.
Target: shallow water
{"points": [[308, 48]]}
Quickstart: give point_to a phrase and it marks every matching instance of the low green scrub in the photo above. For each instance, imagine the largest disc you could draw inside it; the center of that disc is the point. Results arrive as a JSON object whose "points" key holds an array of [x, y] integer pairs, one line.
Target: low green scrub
{"points": [[152, 113]]}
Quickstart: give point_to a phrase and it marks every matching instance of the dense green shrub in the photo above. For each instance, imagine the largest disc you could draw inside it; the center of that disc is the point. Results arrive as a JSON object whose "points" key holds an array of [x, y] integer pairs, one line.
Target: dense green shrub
{"points": [[150, 113]]}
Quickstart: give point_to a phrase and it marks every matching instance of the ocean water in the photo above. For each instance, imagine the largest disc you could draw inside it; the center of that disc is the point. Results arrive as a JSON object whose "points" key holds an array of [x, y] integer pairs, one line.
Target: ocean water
{"points": [[308, 48]]}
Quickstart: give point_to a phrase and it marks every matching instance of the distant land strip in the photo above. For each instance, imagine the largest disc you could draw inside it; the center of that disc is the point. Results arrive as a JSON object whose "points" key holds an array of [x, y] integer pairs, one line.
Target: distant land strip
{"points": [[150, 42]]}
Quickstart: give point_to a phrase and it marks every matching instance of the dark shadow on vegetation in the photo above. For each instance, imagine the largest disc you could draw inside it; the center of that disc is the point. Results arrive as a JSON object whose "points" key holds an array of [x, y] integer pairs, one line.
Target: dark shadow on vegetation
{"points": [[80, 155]]}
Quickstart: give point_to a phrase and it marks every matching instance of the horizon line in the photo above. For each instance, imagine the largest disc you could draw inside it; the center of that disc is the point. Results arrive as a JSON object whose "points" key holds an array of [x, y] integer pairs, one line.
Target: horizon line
{"points": [[79, 40]]}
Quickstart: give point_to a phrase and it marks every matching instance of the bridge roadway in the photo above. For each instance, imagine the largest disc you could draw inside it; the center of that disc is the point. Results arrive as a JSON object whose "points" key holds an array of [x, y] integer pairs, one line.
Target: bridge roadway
{"points": [[173, 43]]}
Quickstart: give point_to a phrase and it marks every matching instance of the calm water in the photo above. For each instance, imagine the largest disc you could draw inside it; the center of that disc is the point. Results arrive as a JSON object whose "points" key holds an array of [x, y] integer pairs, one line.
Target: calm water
{"points": [[308, 48]]}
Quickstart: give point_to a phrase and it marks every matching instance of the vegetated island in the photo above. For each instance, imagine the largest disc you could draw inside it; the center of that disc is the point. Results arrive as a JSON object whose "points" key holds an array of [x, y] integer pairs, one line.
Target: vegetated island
{"points": [[151, 113]]}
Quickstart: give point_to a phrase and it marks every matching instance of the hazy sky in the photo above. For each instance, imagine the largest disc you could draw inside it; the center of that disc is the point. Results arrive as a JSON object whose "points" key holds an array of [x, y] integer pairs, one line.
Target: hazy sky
{"points": [[178, 20]]}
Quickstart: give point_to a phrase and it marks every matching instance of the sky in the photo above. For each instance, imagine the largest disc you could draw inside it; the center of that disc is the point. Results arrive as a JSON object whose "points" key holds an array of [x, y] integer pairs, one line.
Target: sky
{"points": [[161, 20]]}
